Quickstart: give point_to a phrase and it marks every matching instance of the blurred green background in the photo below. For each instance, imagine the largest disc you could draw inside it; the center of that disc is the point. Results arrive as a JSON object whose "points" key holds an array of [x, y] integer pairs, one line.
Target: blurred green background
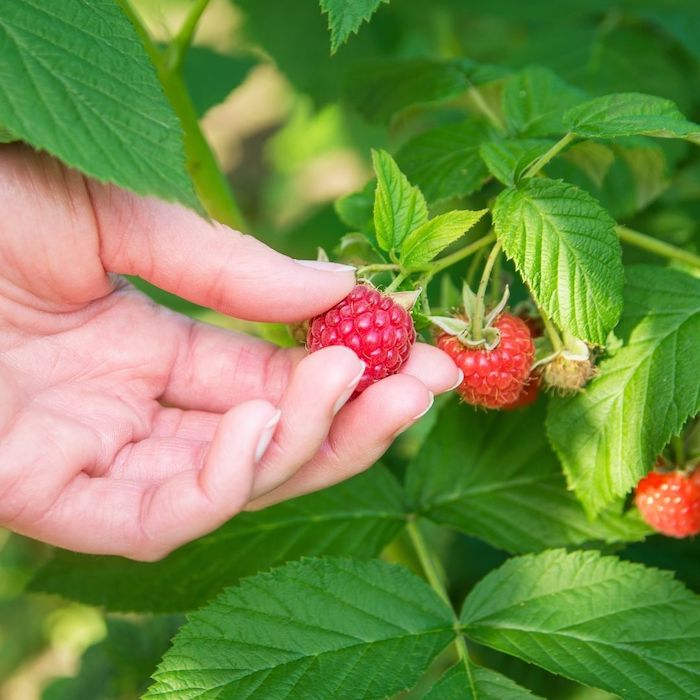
{"points": [[290, 144]]}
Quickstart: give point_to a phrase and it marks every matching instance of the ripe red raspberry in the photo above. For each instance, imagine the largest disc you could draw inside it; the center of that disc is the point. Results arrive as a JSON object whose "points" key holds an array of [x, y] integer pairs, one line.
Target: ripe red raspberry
{"points": [[373, 325], [493, 378], [670, 502]]}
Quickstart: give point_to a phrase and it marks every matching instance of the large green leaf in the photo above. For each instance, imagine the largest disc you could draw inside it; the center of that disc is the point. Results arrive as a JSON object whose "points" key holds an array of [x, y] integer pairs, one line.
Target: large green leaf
{"points": [[423, 243], [358, 518], [346, 16], [489, 685], [564, 245], [444, 162], [608, 437], [474, 474], [399, 206], [629, 114], [320, 628], [597, 620], [75, 81], [535, 99]]}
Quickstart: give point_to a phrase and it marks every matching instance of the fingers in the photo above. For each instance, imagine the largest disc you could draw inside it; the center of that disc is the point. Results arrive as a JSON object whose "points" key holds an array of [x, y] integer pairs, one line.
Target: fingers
{"points": [[433, 367], [361, 433], [319, 387], [209, 263], [146, 521], [215, 368]]}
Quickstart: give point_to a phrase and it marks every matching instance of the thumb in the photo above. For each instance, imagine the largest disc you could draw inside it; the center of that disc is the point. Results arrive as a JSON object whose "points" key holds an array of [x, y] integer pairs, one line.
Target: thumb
{"points": [[209, 263]]}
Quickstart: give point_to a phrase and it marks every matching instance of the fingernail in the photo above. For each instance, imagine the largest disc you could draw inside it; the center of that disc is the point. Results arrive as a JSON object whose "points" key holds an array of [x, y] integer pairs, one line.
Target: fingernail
{"points": [[266, 435], [416, 418], [458, 382], [326, 266], [347, 393]]}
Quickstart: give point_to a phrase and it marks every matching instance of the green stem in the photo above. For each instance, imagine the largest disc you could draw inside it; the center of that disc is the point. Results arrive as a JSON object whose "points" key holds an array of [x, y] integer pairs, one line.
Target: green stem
{"points": [[209, 181], [434, 577], [551, 331], [484, 108], [380, 267], [449, 260], [477, 319], [562, 143], [177, 50], [396, 283], [653, 245]]}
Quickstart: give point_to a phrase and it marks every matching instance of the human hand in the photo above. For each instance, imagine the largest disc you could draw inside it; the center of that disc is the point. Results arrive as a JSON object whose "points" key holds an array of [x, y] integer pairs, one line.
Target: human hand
{"points": [[128, 429]]}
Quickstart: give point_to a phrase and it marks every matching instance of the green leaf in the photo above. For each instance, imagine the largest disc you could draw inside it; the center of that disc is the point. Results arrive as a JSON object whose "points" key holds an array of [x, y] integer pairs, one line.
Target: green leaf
{"points": [[211, 76], [629, 114], [535, 99], [597, 620], [399, 206], [608, 437], [454, 685], [120, 666], [507, 159], [425, 242], [6, 136], [473, 474], [355, 209], [381, 89], [358, 518], [564, 245], [346, 16], [444, 162], [76, 81], [320, 628]]}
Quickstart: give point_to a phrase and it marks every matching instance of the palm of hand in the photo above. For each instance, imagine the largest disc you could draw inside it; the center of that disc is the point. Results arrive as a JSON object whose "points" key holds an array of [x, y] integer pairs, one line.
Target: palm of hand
{"points": [[128, 429]]}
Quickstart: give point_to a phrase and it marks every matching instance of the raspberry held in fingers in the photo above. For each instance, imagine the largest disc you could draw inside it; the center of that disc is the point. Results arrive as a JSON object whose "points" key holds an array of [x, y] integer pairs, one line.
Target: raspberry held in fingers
{"points": [[373, 325]]}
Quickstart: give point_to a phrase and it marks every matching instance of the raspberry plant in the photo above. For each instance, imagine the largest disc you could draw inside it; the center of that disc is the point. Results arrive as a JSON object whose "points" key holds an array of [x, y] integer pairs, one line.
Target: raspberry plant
{"points": [[540, 148]]}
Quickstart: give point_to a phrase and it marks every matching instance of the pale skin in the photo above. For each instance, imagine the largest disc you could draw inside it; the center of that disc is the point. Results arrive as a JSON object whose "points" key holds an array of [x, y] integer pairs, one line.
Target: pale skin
{"points": [[128, 429]]}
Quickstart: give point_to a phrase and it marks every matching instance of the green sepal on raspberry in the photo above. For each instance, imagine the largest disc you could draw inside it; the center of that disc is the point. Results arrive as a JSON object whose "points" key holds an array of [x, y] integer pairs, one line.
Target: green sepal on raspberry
{"points": [[670, 502], [377, 327], [495, 352]]}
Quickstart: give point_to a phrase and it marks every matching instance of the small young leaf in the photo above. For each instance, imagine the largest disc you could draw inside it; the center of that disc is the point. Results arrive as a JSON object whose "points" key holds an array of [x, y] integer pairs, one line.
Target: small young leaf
{"points": [[535, 99], [76, 82], [507, 159], [474, 475], [608, 437], [489, 685], [425, 242], [564, 245], [629, 114], [399, 206], [322, 628], [597, 620], [346, 16], [444, 162], [358, 517], [355, 209]]}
